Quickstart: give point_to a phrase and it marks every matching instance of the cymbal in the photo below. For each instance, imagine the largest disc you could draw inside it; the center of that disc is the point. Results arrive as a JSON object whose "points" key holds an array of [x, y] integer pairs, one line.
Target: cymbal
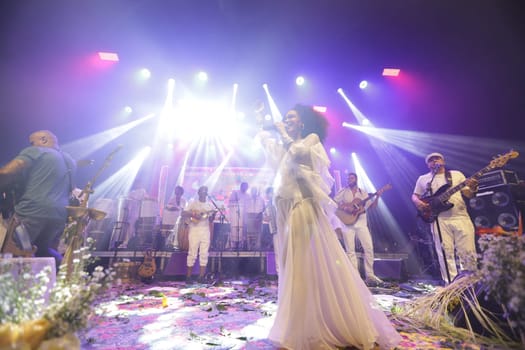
{"points": [[78, 212]]}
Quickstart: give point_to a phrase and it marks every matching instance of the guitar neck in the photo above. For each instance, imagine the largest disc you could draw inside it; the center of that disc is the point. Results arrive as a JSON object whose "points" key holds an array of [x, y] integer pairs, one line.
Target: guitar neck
{"points": [[448, 193], [368, 198]]}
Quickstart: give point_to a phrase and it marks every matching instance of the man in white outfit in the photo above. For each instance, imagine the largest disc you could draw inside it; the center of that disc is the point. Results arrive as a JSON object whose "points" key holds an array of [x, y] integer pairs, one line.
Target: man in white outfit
{"points": [[201, 214], [254, 209], [237, 204], [348, 199], [171, 216], [452, 230]]}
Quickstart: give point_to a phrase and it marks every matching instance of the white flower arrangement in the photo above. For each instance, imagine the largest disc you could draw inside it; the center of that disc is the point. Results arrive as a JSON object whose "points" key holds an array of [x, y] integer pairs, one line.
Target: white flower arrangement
{"points": [[502, 271], [31, 315], [501, 275]]}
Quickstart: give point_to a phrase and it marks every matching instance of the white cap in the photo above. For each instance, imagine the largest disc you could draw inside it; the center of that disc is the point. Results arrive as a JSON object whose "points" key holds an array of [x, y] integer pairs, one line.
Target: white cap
{"points": [[435, 154]]}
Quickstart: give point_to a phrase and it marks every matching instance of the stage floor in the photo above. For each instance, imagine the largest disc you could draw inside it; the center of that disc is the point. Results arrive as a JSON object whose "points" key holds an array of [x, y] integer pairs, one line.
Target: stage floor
{"points": [[232, 314]]}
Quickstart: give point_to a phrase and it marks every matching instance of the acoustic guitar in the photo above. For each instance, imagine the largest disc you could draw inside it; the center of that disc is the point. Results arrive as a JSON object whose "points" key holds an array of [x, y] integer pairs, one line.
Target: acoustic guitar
{"points": [[438, 202], [348, 213], [148, 267], [196, 217]]}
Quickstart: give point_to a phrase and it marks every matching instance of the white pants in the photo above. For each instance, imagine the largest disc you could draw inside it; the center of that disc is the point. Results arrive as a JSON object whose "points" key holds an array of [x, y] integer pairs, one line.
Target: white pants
{"points": [[458, 238], [365, 238], [199, 242]]}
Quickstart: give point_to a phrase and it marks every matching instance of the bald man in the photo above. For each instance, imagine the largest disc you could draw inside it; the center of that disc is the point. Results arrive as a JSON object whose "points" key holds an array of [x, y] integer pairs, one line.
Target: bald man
{"points": [[45, 177]]}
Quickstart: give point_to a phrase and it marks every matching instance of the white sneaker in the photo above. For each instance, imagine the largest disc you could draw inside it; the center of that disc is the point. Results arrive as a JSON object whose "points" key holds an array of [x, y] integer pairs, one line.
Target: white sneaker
{"points": [[374, 281]]}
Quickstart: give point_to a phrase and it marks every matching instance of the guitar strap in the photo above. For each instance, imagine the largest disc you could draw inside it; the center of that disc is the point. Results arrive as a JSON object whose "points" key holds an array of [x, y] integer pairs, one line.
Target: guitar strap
{"points": [[68, 172], [448, 176]]}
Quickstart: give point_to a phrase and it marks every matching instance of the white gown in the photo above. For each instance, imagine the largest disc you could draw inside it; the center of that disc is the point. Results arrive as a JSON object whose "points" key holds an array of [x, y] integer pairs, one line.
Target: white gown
{"points": [[322, 300]]}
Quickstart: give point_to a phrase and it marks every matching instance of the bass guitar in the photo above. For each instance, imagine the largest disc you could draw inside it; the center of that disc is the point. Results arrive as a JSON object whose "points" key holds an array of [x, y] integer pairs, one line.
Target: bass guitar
{"points": [[438, 202], [148, 267], [349, 213]]}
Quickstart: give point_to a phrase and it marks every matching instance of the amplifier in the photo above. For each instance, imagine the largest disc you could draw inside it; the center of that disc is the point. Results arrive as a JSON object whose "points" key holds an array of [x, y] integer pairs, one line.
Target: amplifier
{"points": [[497, 178]]}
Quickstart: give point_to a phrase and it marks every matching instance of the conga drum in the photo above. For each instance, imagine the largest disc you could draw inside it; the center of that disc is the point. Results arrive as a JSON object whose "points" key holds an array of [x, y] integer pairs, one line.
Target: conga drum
{"points": [[182, 235]]}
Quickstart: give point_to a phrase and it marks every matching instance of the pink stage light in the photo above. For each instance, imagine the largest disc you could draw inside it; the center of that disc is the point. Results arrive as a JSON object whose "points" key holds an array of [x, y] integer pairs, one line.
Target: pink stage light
{"points": [[391, 72], [108, 56], [320, 109]]}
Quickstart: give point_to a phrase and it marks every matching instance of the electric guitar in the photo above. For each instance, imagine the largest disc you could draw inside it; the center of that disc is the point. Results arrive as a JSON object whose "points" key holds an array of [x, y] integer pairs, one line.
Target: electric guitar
{"points": [[438, 202], [148, 267], [348, 213]]}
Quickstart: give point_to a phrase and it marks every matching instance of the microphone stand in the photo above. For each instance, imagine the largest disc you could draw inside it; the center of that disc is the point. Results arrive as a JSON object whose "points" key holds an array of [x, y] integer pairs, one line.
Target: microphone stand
{"points": [[82, 214], [222, 216]]}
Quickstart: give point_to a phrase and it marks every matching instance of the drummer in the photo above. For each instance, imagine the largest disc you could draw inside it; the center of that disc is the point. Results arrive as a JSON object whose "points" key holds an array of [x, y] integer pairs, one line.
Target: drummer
{"points": [[171, 216]]}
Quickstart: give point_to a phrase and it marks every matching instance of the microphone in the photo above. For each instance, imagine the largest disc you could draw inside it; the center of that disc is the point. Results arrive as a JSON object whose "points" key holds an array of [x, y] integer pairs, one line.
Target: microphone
{"points": [[436, 167]]}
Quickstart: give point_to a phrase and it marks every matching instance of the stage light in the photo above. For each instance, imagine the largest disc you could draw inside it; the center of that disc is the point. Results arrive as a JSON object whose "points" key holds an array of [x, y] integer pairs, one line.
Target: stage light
{"points": [[202, 76], [391, 72], [363, 84], [366, 122], [320, 109], [234, 96], [357, 113], [128, 110], [145, 73], [299, 80], [333, 150], [274, 110], [108, 56], [83, 147]]}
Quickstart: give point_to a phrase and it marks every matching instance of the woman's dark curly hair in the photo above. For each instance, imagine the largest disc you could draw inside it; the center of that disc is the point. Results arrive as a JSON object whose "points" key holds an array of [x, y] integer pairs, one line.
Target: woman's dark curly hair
{"points": [[314, 122]]}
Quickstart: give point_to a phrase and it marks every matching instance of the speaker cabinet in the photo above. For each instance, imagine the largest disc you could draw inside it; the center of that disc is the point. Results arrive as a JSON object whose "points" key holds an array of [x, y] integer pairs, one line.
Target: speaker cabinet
{"points": [[176, 266], [390, 269], [494, 207]]}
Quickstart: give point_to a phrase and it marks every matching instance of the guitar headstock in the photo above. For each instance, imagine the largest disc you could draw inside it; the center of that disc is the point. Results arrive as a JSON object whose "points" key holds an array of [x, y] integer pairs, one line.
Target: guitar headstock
{"points": [[501, 160], [384, 188]]}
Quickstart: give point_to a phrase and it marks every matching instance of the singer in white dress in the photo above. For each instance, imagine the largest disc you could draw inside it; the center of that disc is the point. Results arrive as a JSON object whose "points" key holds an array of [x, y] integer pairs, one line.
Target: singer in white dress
{"points": [[322, 301]]}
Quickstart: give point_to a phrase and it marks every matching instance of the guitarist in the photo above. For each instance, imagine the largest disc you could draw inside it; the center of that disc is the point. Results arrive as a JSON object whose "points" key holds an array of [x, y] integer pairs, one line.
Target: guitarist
{"points": [[200, 214], [351, 199], [453, 231], [40, 213]]}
